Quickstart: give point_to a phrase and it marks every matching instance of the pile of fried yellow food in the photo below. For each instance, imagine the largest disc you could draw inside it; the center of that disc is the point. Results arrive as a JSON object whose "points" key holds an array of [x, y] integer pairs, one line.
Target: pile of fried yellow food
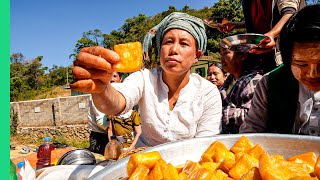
{"points": [[244, 161]]}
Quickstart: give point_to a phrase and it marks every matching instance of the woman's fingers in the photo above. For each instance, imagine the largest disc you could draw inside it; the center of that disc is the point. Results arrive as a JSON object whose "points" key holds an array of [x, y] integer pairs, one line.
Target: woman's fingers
{"points": [[88, 60], [260, 50], [89, 73], [88, 86], [106, 54]]}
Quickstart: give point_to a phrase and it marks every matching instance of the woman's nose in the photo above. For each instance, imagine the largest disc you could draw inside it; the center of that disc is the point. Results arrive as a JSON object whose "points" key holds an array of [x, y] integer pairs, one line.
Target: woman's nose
{"points": [[314, 71], [174, 48]]}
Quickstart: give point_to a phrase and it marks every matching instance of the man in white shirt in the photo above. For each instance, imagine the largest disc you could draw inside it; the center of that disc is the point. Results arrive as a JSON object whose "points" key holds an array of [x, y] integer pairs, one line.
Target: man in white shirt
{"points": [[98, 123]]}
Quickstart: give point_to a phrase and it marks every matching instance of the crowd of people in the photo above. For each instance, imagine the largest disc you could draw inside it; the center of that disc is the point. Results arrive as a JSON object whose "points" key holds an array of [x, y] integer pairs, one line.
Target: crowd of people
{"points": [[251, 91]]}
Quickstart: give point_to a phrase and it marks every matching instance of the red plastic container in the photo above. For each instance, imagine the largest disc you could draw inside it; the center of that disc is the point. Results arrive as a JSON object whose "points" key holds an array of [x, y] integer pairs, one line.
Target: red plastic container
{"points": [[44, 154]]}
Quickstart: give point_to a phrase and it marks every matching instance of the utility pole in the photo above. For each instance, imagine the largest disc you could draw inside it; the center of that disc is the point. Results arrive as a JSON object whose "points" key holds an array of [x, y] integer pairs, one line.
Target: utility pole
{"points": [[67, 76]]}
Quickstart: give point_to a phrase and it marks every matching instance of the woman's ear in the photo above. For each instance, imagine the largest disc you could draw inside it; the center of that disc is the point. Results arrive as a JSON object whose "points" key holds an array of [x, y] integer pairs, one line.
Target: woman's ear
{"points": [[198, 55]]}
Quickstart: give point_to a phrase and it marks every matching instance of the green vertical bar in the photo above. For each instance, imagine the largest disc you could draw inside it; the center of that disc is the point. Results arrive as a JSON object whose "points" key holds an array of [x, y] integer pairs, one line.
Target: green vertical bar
{"points": [[5, 88]]}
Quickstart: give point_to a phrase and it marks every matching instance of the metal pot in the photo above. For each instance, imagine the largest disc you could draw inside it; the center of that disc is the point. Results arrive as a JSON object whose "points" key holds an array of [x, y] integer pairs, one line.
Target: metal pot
{"points": [[77, 157], [178, 152]]}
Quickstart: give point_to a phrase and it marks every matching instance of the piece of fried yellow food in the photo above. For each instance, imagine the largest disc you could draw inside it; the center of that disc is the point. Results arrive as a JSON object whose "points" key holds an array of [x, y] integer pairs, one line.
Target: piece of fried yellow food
{"points": [[141, 172], [173, 173], [148, 159], [253, 174], [256, 151], [242, 166], [200, 173], [271, 168], [317, 168], [242, 145], [219, 175], [155, 172], [309, 159], [216, 152], [190, 166], [130, 57]]}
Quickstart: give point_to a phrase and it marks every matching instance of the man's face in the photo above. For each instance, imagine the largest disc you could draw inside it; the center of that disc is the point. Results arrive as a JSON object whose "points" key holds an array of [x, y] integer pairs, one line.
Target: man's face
{"points": [[178, 51], [305, 64], [115, 78]]}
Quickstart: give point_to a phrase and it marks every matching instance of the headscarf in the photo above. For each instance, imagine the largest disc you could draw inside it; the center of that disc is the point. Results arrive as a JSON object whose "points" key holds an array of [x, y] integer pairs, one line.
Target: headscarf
{"points": [[178, 20]]}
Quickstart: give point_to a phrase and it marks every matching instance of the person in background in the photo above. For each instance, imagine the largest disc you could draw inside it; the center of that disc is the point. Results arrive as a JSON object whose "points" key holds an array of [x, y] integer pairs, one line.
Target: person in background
{"points": [[98, 126], [174, 103], [237, 94], [98, 123], [216, 75], [265, 17], [287, 100], [127, 128]]}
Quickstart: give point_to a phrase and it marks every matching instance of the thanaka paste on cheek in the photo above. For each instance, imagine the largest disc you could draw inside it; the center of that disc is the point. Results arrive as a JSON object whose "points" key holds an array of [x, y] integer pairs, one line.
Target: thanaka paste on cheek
{"points": [[296, 72]]}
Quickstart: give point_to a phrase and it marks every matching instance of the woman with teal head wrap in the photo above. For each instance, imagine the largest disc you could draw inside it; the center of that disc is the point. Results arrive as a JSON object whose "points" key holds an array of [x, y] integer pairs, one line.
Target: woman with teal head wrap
{"points": [[174, 103], [178, 20]]}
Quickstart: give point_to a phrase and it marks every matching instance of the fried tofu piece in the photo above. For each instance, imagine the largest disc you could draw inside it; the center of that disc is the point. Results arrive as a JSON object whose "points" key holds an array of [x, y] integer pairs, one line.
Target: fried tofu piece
{"points": [[253, 174], [130, 57], [212, 166], [242, 145], [190, 166], [219, 175], [226, 165], [148, 159], [155, 172], [140, 172], [242, 166], [200, 173], [273, 167], [317, 168], [256, 151], [309, 159]]}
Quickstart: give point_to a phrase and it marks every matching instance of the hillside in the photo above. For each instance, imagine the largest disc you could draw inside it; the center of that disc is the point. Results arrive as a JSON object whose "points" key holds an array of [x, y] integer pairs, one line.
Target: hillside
{"points": [[58, 91]]}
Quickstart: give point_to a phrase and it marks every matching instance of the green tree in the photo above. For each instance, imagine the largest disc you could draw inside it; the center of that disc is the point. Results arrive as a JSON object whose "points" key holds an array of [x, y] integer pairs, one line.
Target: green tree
{"points": [[58, 76], [35, 73], [230, 10], [18, 83], [89, 38], [17, 58]]}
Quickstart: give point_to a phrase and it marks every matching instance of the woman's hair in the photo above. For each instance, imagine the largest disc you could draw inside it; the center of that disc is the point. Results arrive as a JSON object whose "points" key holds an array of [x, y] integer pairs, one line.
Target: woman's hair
{"points": [[304, 26], [219, 65]]}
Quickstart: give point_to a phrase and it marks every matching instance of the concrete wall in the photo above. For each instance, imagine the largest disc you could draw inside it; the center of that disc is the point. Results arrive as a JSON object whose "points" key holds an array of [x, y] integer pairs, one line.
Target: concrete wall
{"points": [[66, 116]]}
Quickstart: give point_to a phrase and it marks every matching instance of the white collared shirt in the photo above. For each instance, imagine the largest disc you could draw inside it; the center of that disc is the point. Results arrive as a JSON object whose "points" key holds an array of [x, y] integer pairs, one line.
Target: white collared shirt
{"points": [[197, 111], [97, 121], [308, 112]]}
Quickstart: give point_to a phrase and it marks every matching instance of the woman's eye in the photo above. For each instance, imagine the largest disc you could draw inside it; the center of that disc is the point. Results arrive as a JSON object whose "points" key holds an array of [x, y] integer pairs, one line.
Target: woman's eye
{"points": [[168, 41], [184, 44], [300, 64]]}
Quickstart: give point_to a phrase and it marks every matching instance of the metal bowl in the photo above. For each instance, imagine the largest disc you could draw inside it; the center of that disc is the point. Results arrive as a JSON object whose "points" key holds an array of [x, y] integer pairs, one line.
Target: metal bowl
{"points": [[242, 42], [77, 157], [178, 152]]}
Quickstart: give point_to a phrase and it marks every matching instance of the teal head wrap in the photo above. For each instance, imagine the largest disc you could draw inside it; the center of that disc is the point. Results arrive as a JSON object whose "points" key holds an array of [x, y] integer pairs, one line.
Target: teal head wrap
{"points": [[175, 20]]}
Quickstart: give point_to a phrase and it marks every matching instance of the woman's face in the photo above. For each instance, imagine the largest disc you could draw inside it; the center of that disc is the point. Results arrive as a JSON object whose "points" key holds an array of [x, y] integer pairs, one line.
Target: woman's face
{"points": [[305, 64], [230, 61], [178, 52], [215, 75]]}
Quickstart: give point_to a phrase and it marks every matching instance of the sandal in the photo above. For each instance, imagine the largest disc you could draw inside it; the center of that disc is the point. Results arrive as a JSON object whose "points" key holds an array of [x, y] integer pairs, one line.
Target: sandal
{"points": [[25, 150]]}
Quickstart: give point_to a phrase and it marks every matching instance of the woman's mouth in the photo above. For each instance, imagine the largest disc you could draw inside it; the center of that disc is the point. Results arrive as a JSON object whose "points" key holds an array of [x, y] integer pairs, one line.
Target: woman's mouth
{"points": [[171, 60]]}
